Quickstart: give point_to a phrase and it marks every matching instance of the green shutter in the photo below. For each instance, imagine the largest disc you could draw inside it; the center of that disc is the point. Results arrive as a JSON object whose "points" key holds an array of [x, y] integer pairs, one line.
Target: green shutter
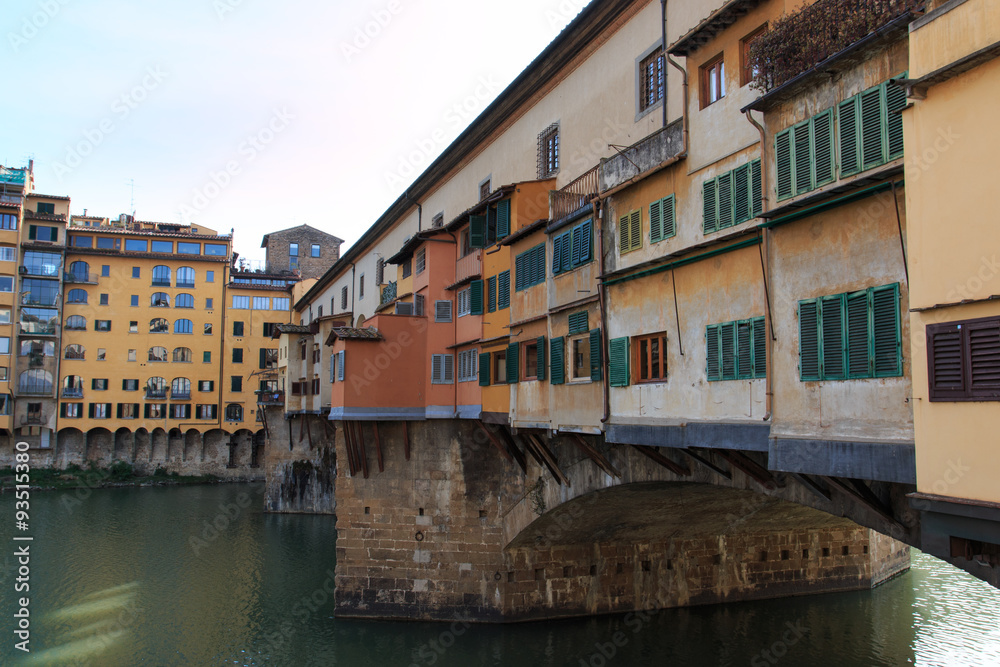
{"points": [[32, 235], [477, 231], [755, 188], [727, 348], [759, 348], [578, 322], [618, 373], [712, 352], [895, 100], [512, 363], [847, 117], [491, 294], [872, 145], [783, 163], [520, 272], [540, 358], [585, 245], [538, 256], [623, 235], [595, 355], [741, 193], [725, 196], [503, 218], [822, 142], [476, 297], [886, 341], [858, 343], [656, 221], [801, 153], [744, 350], [669, 217], [635, 229], [503, 287], [556, 250], [711, 218], [484, 369], [557, 360], [833, 343], [809, 340]]}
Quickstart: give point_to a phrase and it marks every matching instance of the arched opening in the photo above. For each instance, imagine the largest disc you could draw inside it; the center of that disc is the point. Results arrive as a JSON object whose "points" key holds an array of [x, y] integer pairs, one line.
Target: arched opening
{"points": [[75, 351], [185, 277], [35, 381], [184, 301], [160, 300], [159, 325], [158, 354], [76, 295], [161, 276], [72, 386], [76, 323], [79, 271]]}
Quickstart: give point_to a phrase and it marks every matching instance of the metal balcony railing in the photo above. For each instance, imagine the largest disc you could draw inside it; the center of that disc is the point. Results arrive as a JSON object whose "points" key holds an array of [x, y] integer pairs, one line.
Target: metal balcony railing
{"points": [[72, 392], [181, 395], [156, 393], [574, 195], [32, 418], [80, 277]]}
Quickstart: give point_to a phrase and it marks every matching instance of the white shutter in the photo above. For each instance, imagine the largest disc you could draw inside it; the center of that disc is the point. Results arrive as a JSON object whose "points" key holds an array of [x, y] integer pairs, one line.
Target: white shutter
{"points": [[333, 368], [442, 311], [449, 368], [340, 365], [436, 369]]}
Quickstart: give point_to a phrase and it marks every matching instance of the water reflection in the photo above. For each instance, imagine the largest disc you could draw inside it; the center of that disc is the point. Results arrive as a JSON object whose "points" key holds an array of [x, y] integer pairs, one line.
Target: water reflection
{"points": [[199, 576]]}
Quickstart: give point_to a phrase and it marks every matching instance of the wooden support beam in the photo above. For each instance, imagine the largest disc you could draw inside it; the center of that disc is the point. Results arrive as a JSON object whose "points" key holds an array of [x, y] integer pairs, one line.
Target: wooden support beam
{"points": [[707, 463], [514, 449], [378, 449], [817, 488], [529, 447], [309, 432], [550, 460], [860, 491], [667, 463], [496, 441], [263, 419], [302, 428], [406, 440], [329, 428], [362, 454], [349, 446], [602, 462], [751, 468]]}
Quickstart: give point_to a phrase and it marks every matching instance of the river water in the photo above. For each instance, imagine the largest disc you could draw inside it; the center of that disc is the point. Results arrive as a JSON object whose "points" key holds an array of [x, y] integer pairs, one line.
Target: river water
{"points": [[132, 577]]}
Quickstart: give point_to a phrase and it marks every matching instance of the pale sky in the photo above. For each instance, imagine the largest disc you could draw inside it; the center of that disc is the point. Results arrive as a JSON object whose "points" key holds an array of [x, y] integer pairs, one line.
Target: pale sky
{"points": [[253, 116]]}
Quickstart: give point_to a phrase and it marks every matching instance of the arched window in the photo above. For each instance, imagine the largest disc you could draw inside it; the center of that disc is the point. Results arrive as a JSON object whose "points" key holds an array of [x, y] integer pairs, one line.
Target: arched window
{"points": [[159, 325], [77, 295], [180, 388], [234, 413], [76, 323], [75, 351], [185, 277], [38, 349], [161, 276], [157, 353], [183, 327], [72, 386], [80, 272], [156, 387], [183, 301], [35, 381], [183, 354], [160, 300]]}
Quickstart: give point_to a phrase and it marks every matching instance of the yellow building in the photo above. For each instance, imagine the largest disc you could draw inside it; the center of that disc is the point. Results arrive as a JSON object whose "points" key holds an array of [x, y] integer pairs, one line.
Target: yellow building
{"points": [[954, 87]]}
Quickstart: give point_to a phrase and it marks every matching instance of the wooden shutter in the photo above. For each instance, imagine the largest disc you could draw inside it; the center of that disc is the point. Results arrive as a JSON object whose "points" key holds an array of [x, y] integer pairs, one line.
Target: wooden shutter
{"points": [[809, 340], [727, 350], [984, 359], [656, 221], [263, 358], [710, 222], [858, 348], [596, 358], [491, 294], [895, 100], [872, 146], [583, 233], [578, 322], [448, 367], [669, 217], [442, 311], [512, 363], [520, 271], [783, 163], [725, 196], [503, 218], [538, 264], [333, 368], [741, 193], [712, 364], [623, 234], [557, 243], [832, 340], [887, 360], [801, 158], [477, 231], [822, 142], [341, 361], [436, 368], [759, 348], [744, 350], [476, 297], [618, 371], [540, 358], [557, 362], [755, 188], [635, 230], [503, 285], [484, 369], [945, 361], [847, 126]]}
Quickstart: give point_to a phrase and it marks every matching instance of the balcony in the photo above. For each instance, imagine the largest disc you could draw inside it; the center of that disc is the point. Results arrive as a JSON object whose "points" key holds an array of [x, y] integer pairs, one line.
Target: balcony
{"points": [[388, 293], [38, 329], [640, 157], [469, 266], [574, 195], [40, 270], [13, 201], [180, 395], [80, 278], [31, 418], [270, 398], [156, 393], [72, 392]]}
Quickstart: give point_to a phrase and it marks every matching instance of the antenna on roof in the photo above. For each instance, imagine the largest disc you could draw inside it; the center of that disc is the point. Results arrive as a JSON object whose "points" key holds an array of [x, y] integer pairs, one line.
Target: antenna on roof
{"points": [[131, 207]]}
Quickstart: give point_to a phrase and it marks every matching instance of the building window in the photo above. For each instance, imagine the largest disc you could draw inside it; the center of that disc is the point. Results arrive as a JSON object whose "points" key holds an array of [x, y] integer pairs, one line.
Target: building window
{"points": [[76, 296], [185, 277], [548, 151], [159, 300], [804, 155], [736, 350], [437, 221], [134, 300], [848, 336], [343, 297], [731, 198], [135, 272], [183, 327], [241, 302], [180, 388], [315, 250], [442, 369], [500, 367], [713, 81], [38, 233], [161, 276], [962, 360], [442, 311], [262, 303], [208, 328], [155, 410], [650, 358], [421, 260], [206, 385], [651, 80], [418, 305], [210, 276], [99, 384], [484, 189], [75, 351], [8, 254], [206, 411], [747, 71], [128, 410], [100, 410], [75, 323], [630, 232], [580, 361], [130, 385], [105, 270], [237, 328], [157, 354], [236, 383], [184, 301], [102, 325], [72, 410], [237, 355], [8, 221], [209, 303], [529, 268], [234, 413], [468, 365], [268, 358], [531, 360], [131, 355], [464, 302], [361, 287], [572, 248], [293, 249], [280, 303], [662, 219]]}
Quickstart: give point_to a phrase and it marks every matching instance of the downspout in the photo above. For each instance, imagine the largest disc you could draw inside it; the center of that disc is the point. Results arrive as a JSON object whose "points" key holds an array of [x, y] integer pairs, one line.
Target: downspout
{"points": [[226, 275], [420, 210], [454, 330], [601, 296], [663, 47], [684, 111], [354, 285], [765, 258]]}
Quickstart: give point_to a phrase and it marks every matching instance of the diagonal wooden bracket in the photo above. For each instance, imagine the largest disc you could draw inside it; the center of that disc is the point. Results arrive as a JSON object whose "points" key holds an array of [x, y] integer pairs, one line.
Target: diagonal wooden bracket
{"points": [[751, 468], [378, 449], [667, 463], [860, 491], [817, 488], [602, 462], [548, 458], [496, 441], [515, 450], [707, 463]]}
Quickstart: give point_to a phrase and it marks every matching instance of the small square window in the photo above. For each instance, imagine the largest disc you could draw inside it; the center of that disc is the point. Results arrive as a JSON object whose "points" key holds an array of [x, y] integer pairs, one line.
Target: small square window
{"points": [[484, 189], [208, 328], [206, 357], [315, 250], [238, 355], [135, 300], [101, 354], [133, 327], [236, 383], [131, 355], [208, 304], [102, 325], [135, 272], [237, 328], [99, 384], [104, 299], [105, 270], [210, 276]]}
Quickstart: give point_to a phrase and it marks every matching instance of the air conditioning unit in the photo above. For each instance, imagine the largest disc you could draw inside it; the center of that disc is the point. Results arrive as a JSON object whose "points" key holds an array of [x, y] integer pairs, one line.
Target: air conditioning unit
{"points": [[403, 308]]}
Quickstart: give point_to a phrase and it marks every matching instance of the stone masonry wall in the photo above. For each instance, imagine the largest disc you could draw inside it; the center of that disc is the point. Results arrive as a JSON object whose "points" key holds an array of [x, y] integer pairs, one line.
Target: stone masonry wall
{"points": [[300, 470]]}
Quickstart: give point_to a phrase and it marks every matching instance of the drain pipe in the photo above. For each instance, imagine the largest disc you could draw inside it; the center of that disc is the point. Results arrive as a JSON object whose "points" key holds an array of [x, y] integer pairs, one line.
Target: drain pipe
{"points": [[684, 111], [663, 47], [420, 209], [765, 258], [599, 214]]}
